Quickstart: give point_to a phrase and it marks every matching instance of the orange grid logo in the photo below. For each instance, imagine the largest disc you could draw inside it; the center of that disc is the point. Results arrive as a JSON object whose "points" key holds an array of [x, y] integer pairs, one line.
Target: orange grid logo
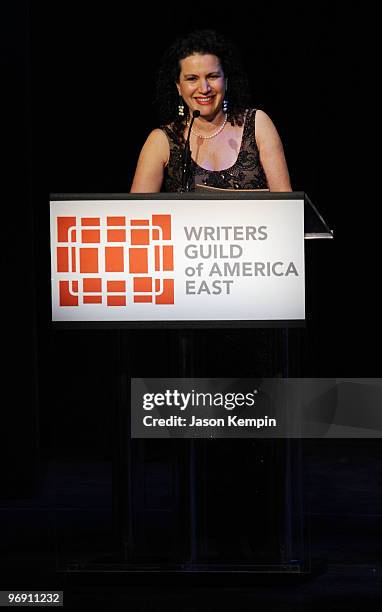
{"points": [[114, 261]]}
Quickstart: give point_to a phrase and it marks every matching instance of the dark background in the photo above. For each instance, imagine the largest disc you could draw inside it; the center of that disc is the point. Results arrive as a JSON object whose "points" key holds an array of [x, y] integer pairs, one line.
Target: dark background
{"points": [[79, 82]]}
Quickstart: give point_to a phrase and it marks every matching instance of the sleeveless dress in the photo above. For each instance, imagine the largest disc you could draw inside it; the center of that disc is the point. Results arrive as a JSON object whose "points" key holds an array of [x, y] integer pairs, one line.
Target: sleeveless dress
{"points": [[246, 173]]}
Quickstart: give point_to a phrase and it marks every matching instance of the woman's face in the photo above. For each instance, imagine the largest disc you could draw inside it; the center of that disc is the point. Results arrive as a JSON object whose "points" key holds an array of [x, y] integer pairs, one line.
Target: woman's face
{"points": [[202, 84]]}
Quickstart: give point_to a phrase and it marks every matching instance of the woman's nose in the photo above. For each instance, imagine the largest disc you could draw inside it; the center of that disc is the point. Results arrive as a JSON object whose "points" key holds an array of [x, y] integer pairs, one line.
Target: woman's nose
{"points": [[205, 87]]}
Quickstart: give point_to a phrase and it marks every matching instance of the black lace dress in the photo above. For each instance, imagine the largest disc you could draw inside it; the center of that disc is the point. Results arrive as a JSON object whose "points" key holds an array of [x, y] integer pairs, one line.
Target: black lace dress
{"points": [[246, 173]]}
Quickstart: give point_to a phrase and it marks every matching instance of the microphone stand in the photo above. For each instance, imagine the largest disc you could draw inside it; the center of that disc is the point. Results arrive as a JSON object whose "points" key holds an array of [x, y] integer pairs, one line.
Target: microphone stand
{"points": [[187, 156], [186, 350]]}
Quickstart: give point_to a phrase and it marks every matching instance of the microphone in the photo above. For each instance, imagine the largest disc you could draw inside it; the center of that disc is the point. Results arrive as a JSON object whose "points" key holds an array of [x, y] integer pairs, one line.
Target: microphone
{"points": [[187, 155]]}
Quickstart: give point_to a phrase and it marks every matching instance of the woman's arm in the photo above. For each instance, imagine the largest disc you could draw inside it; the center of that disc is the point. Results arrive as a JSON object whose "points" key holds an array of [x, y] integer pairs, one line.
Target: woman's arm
{"points": [[271, 153], [152, 160]]}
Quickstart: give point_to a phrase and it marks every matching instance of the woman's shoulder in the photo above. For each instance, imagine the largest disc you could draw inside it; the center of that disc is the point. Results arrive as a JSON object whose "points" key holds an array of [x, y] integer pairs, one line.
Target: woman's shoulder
{"points": [[156, 146], [263, 122], [261, 115], [249, 117], [158, 138], [257, 114], [158, 135], [260, 121]]}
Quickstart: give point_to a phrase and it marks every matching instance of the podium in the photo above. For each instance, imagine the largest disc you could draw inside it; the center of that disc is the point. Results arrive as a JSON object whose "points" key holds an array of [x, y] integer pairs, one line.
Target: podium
{"points": [[135, 263]]}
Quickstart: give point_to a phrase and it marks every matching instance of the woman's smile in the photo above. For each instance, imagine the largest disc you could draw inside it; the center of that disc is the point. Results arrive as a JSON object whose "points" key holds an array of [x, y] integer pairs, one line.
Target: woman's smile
{"points": [[204, 100]]}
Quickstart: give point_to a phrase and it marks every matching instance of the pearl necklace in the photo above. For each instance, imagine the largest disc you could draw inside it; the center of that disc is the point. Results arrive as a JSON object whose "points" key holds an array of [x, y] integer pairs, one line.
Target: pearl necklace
{"points": [[220, 129]]}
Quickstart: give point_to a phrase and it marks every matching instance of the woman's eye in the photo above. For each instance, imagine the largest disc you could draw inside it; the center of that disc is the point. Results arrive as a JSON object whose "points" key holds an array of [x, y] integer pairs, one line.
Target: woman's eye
{"points": [[210, 76]]}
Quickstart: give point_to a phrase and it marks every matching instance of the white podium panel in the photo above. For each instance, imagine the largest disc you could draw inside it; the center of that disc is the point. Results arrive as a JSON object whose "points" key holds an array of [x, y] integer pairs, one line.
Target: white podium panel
{"points": [[177, 260]]}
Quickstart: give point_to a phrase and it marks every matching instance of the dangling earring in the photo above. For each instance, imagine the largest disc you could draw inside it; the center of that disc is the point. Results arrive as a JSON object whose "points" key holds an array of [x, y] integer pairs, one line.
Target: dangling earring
{"points": [[225, 101], [181, 107]]}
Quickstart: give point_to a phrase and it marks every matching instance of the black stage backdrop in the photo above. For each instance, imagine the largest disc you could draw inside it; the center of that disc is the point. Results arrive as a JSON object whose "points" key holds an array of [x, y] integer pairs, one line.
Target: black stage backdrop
{"points": [[79, 107]]}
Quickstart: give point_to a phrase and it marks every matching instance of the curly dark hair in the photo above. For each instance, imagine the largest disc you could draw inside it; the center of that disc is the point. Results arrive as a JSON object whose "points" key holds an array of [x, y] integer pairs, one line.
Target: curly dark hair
{"points": [[203, 42]]}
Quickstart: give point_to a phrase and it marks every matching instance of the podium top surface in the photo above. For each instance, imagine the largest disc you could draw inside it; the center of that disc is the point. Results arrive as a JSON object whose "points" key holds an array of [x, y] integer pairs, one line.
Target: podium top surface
{"points": [[220, 194], [314, 224]]}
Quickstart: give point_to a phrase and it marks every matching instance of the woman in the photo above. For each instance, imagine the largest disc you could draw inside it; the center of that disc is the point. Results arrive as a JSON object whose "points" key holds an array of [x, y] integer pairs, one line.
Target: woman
{"points": [[232, 146]]}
